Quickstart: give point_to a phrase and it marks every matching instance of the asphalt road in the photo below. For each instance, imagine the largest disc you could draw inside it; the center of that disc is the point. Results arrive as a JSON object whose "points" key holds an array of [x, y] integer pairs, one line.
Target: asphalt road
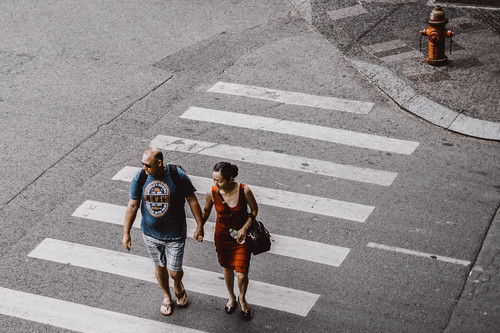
{"points": [[85, 89]]}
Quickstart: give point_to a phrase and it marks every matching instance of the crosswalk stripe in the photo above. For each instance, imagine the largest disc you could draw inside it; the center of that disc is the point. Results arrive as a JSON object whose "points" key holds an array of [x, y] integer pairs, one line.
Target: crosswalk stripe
{"points": [[279, 160], [340, 136], [293, 98], [282, 245], [278, 198], [392, 2], [385, 46], [124, 264], [347, 12], [76, 317], [402, 56]]}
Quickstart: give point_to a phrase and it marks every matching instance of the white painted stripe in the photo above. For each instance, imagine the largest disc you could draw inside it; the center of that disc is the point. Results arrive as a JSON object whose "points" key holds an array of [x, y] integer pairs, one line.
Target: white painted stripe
{"points": [[433, 3], [278, 198], [402, 56], [76, 317], [419, 254], [396, 1], [278, 160], [347, 12], [293, 98], [282, 245], [385, 46], [105, 212], [197, 280], [350, 138]]}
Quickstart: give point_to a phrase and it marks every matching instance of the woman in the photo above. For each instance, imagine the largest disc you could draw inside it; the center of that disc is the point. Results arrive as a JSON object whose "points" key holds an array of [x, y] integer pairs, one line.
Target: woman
{"points": [[233, 254]]}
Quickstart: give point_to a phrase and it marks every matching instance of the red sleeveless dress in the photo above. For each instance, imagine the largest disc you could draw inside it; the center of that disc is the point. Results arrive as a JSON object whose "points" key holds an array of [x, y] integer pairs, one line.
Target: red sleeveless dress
{"points": [[230, 253]]}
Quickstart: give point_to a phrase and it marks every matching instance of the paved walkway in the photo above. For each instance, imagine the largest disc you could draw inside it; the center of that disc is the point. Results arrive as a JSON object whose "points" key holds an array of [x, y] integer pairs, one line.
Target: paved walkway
{"points": [[381, 39]]}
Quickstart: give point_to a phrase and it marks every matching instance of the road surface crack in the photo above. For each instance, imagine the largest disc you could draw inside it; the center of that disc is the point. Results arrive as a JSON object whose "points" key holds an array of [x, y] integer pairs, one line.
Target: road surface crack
{"points": [[85, 140]]}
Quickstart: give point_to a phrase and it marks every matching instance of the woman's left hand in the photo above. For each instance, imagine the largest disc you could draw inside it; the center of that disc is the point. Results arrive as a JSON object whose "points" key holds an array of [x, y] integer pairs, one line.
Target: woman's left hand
{"points": [[242, 235]]}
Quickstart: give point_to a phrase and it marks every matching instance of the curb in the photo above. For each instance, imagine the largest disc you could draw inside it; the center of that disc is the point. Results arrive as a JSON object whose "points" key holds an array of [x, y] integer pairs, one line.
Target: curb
{"points": [[400, 90], [476, 309], [411, 100]]}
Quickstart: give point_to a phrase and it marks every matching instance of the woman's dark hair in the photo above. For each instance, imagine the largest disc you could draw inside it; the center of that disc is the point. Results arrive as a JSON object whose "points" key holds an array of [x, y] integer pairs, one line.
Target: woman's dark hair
{"points": [[226, 169]]}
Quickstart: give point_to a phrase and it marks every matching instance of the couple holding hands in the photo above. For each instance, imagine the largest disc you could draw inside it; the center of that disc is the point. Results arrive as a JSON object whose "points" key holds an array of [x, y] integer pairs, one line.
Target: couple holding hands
{"points": [[160, 191]]}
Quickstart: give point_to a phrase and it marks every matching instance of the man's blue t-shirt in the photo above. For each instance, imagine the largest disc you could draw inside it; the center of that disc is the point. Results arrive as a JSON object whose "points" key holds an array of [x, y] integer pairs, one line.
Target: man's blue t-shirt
{"points": [[162, 204]]}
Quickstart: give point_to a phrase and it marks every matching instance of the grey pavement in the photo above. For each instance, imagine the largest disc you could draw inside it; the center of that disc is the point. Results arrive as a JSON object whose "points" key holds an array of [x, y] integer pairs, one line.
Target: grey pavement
{"points": [[462, 96], [58, 75]]}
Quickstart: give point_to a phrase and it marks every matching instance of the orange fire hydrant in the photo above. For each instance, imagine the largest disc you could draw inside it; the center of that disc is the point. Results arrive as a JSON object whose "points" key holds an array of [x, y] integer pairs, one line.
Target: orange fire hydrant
{"points": [[437, 33]]}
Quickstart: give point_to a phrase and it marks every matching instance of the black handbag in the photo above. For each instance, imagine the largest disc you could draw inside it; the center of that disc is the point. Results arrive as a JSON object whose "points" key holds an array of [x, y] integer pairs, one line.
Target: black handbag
{"points": [[258, 237]]}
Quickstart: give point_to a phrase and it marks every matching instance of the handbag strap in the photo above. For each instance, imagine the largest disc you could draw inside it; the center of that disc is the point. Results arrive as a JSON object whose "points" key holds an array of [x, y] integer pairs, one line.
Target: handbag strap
{"points": [[226, 207]]}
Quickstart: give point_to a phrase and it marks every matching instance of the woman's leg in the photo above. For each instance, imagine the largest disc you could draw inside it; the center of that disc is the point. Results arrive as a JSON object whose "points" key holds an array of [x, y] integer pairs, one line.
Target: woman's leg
{"points": [[243, 286], [229, 279]]}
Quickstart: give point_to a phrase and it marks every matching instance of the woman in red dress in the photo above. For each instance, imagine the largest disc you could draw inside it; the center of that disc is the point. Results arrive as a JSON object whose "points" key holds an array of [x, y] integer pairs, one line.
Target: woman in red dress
{"points": [[233, 254]]}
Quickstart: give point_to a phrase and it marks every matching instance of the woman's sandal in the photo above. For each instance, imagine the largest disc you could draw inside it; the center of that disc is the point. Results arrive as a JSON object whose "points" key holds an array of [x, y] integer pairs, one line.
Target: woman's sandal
{"points": [[246, 314], [230, 309], [166, 308]]}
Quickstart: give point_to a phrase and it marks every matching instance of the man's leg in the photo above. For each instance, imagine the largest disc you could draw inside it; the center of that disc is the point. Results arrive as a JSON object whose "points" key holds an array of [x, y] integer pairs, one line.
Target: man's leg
{"points": [[156, 251], [161, 274], [175, 254], [180, 292]]}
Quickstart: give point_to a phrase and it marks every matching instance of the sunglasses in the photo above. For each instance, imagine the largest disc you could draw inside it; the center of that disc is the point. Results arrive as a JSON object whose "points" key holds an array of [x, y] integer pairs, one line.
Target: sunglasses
{"points": [[149, 165]]}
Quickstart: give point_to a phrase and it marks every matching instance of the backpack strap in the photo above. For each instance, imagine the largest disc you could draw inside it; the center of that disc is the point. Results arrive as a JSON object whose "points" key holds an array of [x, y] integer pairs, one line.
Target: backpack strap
{"points": [[172, 169], [142, 179], [174, 173]]}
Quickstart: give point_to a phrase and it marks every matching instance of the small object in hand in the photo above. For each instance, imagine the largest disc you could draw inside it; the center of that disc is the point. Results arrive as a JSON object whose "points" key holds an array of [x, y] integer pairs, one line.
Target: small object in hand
{"points": [[234, 234]]}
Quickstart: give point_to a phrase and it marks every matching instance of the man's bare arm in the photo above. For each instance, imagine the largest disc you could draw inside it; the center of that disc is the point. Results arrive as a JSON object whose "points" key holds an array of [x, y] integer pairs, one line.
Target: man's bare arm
{"points": [[130, 215], [196, 210]]}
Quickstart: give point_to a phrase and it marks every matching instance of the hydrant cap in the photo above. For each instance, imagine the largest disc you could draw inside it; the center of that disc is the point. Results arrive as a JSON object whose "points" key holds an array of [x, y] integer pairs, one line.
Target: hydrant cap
{"points": [[437, 14]]}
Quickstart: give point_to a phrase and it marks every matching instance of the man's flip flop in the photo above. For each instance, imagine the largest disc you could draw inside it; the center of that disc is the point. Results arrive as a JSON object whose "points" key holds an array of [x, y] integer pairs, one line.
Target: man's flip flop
{"points": [[182, 298], [166, 309]]}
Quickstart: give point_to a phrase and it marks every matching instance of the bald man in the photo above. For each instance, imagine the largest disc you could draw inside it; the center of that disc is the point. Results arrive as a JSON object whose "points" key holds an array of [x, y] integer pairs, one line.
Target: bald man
{"points": [[163, 223]]}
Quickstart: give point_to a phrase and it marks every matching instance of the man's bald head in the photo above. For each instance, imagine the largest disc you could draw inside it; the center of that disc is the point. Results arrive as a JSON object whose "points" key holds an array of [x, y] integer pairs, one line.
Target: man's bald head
{"points": [[155, 153]]}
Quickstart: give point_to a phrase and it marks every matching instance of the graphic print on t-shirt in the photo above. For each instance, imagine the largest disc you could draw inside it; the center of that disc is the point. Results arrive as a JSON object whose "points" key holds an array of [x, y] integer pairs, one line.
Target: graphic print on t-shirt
{"points": [[157, 198]]}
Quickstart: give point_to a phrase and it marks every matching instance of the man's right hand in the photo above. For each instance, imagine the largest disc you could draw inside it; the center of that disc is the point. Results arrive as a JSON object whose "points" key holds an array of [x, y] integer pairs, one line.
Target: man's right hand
{"points": [[126, 241]]}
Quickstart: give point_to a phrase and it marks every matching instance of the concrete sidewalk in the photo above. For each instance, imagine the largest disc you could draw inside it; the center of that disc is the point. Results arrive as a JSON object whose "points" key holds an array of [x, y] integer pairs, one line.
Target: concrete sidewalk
{"points": [[381, 39]]}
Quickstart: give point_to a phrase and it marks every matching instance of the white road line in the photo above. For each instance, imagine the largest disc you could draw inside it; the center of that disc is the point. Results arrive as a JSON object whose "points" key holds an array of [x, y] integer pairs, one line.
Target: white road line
{"points": [[402, 56], [385, 46], [278, 160], [283, 245], [394, 1], [76, 317], [340, 136], [120, 263], [419, 254], [347, 12], [283, 199], [293, 98]]}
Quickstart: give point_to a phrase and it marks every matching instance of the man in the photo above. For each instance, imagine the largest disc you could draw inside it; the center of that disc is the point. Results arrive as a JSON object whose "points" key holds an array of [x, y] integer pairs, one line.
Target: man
{"points": [[163, 222]]}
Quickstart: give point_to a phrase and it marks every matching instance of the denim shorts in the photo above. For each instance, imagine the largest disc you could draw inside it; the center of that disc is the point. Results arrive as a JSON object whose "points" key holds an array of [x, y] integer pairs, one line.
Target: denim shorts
{"points": [[165, 252]]}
